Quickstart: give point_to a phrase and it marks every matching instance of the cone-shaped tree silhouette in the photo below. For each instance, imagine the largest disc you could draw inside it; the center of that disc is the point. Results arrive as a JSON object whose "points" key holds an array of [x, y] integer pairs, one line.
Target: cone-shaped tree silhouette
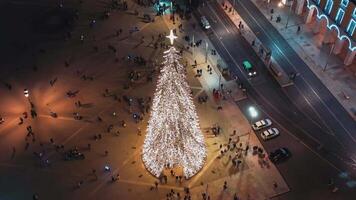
{"points": [[173, 134]]}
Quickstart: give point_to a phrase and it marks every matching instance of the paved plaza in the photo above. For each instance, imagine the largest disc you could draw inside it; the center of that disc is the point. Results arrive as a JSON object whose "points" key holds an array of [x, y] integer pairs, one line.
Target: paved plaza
{"points": [[96, 72]]}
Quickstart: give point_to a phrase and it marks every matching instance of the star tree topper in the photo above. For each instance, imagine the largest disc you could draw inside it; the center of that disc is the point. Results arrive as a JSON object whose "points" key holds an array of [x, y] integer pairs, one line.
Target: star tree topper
{"points": [[171, 37]]}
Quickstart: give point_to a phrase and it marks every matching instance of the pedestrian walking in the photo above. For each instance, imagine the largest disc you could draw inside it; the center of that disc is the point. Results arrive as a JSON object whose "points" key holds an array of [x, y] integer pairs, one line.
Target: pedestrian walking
{"points": [[235, 197], [225, 185], [21, 121]]}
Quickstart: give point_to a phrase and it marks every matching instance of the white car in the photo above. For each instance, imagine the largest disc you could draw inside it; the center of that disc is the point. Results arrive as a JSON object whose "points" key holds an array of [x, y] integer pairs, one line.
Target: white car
{"points": [[204, 22], [261, 124], [270, 133]]}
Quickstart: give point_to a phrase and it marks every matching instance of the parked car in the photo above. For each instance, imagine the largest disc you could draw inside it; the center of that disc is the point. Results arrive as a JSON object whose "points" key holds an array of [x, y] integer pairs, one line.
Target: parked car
{"points": [[73, 154], [270, 133], [261, 124], [279, 155], [205, 23], [249, 68]]}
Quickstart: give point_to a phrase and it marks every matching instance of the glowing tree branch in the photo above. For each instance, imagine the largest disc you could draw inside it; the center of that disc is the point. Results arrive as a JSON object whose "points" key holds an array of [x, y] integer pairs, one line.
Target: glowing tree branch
{"points": [[173, 133]]}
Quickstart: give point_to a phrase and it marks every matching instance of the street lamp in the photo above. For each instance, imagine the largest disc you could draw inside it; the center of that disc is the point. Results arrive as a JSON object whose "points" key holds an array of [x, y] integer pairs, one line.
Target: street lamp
{"points": [[234, 5], [327, 60], [289, 13], [253, 112], [281, 4], [206, 51]]}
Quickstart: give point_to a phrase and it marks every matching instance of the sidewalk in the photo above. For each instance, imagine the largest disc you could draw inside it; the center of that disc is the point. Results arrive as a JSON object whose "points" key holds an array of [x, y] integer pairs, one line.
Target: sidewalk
{"points": [[252, 176], [339, 79]]}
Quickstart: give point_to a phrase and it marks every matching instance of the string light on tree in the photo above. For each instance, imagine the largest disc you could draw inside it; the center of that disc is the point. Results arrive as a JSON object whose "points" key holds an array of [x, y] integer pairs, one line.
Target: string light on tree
{"points": [[173, 137]]}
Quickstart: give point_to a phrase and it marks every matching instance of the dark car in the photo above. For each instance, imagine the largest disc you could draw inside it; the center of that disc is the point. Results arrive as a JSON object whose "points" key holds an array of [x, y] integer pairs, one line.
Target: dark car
{"points": [[279, 155], [73, 154]]}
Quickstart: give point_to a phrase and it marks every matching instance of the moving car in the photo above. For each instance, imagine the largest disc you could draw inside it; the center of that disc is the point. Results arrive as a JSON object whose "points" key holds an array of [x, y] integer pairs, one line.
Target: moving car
{"points": [[270, 133], [261, 124], [250, 69], [73, 154], [279, 155], [205, 23]]}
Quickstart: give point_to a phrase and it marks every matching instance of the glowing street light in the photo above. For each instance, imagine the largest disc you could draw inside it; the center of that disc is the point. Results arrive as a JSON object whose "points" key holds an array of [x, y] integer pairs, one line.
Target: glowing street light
{"points": [[284, 2], [253, 112]]}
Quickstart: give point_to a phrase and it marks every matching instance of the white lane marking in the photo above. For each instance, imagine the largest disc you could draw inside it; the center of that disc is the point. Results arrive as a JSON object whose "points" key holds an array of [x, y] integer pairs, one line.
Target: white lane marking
{"points": [[276, 110], [317, 124], [315, 111], [299, 140], [304, 131], [227, 30], [348, 133]]}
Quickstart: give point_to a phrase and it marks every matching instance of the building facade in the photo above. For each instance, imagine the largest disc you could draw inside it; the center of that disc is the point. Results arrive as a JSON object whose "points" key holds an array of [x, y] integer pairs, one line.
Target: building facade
{"points": [[335, 21]]}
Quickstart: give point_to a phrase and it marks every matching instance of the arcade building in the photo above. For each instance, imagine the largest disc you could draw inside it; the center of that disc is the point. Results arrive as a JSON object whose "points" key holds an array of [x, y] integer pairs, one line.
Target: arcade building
{"points": [[334, 24]]}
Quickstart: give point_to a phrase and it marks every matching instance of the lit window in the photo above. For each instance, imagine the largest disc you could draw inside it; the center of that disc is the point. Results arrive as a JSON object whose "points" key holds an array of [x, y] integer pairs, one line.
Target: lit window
{"points": [[344, 3], [354, 13], [328, 6], [339, 16], [351, 27]]}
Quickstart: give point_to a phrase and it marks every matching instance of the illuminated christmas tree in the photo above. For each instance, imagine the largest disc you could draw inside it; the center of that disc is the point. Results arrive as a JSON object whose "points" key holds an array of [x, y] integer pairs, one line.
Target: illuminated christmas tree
{"points": [[173, 134]]}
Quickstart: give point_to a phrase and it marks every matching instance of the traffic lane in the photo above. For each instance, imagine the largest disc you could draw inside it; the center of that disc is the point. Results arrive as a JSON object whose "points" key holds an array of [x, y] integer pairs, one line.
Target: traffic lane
{"points": [[284, 62], [219, 28], [285, 46], [346, 143], [305, 124], [341, 138], [284, 118], [312, 113], [278, 43], [240, 51], [302, 165], [322, 109]]}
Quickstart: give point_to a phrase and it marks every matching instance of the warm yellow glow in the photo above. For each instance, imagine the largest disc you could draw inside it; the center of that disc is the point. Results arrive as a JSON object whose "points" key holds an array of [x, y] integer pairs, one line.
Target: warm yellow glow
{"points": [[173, 133], [171, 37]]}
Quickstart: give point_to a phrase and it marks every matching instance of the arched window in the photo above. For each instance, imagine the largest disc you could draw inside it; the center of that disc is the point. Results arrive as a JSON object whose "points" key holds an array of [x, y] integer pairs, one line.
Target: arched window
{"points": [[339, 16], [341, 11], [344, 3], [328, 6], [351, 27], [352, 24]]}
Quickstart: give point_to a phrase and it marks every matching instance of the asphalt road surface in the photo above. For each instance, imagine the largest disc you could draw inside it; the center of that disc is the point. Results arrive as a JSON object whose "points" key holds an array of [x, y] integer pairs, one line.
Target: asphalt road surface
{"points": [[298, 111], [333, 117]]}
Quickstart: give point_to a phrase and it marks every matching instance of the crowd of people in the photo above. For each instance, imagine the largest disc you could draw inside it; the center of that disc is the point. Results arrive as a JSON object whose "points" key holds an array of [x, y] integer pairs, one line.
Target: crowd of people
{"points": [[137, 107]]}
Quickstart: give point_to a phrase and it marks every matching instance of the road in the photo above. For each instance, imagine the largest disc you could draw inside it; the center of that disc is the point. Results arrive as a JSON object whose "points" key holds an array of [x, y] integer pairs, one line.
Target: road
{"points": [[334, 118], [305, 130]]}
